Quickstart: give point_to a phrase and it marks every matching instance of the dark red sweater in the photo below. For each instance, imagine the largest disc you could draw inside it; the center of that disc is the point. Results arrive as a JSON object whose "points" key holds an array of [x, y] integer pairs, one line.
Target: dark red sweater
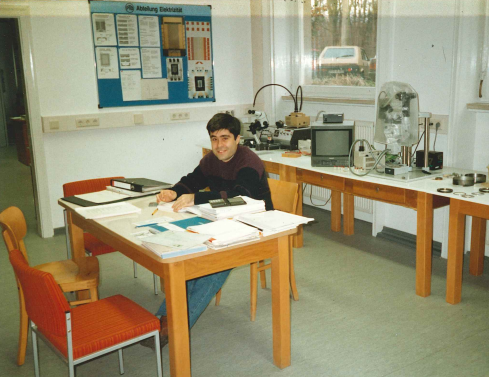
{"points": [[244, 175]]}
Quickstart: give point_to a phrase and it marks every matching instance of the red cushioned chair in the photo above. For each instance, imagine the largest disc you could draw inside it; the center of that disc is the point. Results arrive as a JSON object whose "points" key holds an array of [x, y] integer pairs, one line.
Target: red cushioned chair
{"points": [[72, 276], [87, 331], [93, 245]]}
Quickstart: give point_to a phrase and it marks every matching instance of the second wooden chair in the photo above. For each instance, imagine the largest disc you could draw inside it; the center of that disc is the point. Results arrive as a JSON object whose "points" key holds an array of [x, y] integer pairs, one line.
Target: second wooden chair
{"points": [[93, 245]]}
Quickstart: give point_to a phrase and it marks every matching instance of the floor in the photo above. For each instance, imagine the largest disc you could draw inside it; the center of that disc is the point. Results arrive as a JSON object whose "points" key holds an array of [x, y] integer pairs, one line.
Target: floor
{"points": [[357, 314]]}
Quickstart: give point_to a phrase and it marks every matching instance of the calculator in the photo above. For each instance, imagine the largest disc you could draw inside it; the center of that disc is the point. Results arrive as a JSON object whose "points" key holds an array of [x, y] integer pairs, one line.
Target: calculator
{"points": [[216, 203]]}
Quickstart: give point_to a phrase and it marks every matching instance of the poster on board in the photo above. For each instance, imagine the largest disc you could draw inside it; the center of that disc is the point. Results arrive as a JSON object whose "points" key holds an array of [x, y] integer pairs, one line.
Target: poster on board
{"points": [[151, 54]]}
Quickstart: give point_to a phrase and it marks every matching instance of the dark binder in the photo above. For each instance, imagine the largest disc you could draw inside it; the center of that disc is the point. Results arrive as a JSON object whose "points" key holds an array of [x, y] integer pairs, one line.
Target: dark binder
{"points": [[88, 203], [139, 184]]}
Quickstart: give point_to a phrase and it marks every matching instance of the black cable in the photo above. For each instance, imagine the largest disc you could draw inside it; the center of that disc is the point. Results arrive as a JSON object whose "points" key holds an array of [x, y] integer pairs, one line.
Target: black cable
{"points": [[417, 144], [436, 134], [296, 110], [296, 93], [310, 197]]}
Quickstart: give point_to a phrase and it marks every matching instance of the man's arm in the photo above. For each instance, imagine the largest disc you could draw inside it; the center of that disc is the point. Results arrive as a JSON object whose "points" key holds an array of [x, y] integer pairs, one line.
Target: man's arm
{"points": [[247, 184], [191, 183]]}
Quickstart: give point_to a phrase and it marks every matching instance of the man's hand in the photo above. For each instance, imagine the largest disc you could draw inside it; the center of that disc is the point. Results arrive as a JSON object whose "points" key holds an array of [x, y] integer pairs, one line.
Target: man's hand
{"points": [[166, 196], [186, 200]]}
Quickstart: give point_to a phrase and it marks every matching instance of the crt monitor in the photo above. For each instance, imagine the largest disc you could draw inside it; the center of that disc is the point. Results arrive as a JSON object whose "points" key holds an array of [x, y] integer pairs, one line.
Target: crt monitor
{"points": [[330, 144]]}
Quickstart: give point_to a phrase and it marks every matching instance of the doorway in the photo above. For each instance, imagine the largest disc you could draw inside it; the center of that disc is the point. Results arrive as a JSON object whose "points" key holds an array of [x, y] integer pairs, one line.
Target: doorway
{"points": [[16, 185]]}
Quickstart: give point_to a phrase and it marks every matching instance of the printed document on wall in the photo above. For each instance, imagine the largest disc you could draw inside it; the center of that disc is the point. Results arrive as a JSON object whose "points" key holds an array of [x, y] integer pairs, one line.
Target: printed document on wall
{"points": [[151, 62], [103, 29], [127, 29], [154, 89], [107, 65], [129, 58], [131, 85], [149, 31]]}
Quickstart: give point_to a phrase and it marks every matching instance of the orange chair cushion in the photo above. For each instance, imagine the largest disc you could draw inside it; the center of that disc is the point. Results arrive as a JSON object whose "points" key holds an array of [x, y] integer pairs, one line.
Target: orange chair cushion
{"points": [[104, 323], [95, 246]]}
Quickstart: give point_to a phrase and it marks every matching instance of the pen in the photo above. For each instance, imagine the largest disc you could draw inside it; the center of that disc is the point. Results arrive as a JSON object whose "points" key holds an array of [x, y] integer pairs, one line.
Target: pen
{"points": [[156, 210]]}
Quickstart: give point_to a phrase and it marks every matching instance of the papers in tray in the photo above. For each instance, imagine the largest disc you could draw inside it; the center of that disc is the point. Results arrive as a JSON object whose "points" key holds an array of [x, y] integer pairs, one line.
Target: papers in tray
{"points": [[171, 244], [272, 222], [226, 232], [206, 211], [107, 210]]}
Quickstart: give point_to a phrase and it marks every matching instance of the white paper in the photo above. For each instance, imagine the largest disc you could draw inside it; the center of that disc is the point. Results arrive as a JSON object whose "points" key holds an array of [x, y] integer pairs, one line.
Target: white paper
{"points": [[102, 196], [173, 227], [129, 58], [107, 64], [152, 89], [151, 58], [149, 31], [156, 221], [131, 85], [103, 29], [127, 31], [107, 210]]}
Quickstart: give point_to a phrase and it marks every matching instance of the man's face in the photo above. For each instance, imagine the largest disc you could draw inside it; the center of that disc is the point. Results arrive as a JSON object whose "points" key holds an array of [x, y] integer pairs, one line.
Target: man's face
{"points": [[223, 144]]}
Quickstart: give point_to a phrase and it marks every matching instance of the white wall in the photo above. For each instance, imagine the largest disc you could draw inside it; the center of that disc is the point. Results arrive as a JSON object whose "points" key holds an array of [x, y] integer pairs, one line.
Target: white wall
{"points": [[64, 67]]}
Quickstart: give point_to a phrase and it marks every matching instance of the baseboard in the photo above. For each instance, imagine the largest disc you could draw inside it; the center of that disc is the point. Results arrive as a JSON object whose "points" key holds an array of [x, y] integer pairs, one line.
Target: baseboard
{"points": [[406, 239], [59, 231]]}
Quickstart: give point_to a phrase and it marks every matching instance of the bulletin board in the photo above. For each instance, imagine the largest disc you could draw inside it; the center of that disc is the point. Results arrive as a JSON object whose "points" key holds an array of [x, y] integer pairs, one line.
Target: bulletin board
{"points": [[150, 54]]}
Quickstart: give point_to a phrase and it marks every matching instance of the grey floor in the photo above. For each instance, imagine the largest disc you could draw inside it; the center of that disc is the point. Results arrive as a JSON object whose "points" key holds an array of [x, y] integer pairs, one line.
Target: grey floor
{"points": [[357, 314]]}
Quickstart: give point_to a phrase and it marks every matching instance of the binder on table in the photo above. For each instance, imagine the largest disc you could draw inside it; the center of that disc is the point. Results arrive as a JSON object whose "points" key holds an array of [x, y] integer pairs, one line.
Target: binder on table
{"points": [[139, 184]]}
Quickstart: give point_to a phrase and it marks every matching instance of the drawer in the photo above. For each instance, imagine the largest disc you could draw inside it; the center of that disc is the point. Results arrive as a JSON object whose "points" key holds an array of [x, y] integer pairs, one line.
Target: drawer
{"points": [[321, 179], [271, 167], [375, 191]]}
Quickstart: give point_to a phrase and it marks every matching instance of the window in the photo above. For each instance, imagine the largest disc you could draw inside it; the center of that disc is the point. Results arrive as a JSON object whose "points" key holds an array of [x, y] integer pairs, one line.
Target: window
{"points": [[340, 42]]}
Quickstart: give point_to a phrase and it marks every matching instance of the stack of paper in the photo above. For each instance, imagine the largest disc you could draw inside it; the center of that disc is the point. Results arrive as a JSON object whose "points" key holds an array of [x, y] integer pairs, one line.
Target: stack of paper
{"points": [[132, 194], [214, 214], [226, 232], [171, 244], [272, 222], [107, 210]]}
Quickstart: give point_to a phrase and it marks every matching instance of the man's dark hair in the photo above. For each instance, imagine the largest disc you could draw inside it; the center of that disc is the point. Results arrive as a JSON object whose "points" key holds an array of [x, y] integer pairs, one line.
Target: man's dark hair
{"points": [[223, 121]]}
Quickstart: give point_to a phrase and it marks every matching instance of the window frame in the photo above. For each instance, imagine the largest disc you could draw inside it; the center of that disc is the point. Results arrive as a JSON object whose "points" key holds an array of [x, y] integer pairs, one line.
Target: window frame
{"points": [[305, 66]]}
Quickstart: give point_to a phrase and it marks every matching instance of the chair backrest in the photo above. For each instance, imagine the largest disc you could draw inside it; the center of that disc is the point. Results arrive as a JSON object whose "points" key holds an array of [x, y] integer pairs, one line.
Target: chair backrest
{"points": [[285, 195], [86, 186], [14, 229], [44, 302]]}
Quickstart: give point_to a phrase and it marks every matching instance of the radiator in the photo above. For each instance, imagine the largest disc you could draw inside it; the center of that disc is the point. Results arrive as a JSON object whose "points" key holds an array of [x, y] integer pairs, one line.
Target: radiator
{"points": [[363, 130]]}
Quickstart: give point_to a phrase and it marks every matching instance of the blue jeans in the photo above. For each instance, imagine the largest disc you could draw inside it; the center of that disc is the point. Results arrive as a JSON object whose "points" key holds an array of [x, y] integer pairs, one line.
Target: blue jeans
{"points": [[200, 292]]}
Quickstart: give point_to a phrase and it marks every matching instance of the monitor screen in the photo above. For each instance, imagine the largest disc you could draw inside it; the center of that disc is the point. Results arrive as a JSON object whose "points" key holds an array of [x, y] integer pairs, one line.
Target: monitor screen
{"points": [[332, 142]]}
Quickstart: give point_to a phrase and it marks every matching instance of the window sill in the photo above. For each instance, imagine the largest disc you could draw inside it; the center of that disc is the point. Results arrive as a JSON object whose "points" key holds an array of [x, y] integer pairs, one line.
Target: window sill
{"points": [[340, 101], [478, 106]]}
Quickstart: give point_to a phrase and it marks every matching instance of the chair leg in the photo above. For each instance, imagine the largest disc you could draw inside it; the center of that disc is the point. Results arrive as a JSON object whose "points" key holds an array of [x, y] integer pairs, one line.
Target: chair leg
{"points": [[263, 275], [35, 351], [93, 294], [155, 283], [121, 362], [23, 328], [253, 289], [158, 355], [135, 265], [293, 287], [68, 246], [218, 297]]}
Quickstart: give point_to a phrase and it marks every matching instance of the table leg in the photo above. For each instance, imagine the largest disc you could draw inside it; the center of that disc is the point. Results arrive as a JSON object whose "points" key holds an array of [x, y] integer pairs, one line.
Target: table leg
{"points": [[477, 246], [77, 249], [335, 211], [456, 234], [281, 305], [176, 307], [348, 214], [424, 240]]}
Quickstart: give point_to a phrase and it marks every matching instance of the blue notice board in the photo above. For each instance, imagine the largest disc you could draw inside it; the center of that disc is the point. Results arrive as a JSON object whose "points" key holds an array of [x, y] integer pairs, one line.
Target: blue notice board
{"points": [[151, 54]]}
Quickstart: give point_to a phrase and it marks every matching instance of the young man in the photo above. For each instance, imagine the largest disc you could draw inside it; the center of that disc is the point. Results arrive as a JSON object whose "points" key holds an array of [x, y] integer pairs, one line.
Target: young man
{"points": [[230, 170]]}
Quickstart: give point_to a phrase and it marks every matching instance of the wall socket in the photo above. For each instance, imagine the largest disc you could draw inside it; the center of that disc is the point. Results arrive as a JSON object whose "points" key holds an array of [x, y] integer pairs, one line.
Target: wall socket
{"points": [[180, 116], [436, 119], [87, 122]]}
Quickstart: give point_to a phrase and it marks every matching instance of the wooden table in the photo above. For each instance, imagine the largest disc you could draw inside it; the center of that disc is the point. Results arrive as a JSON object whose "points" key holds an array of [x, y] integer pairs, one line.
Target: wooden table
{"points": [[459, 209], [116, 231], [388, 191]]}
